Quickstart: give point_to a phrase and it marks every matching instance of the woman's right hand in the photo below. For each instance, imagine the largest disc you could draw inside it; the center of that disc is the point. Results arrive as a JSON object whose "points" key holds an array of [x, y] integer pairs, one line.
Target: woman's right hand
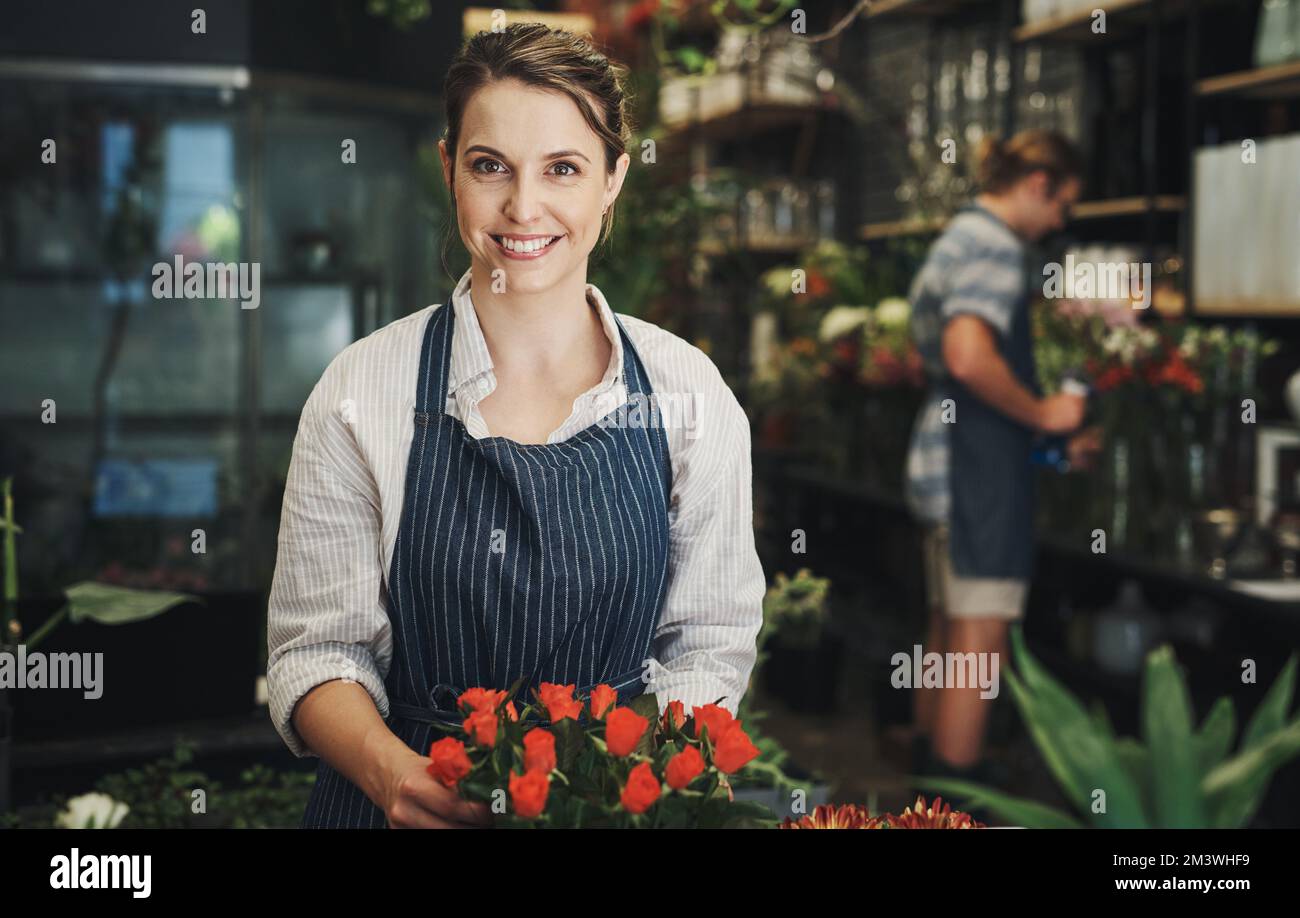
{"points": [[413, 799], [1061, 413]]}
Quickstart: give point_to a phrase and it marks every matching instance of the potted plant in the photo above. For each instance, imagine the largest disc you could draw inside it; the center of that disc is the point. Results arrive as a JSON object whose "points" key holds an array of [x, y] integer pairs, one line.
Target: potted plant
{"points": [[800, 665], [1175, 776], [83, 602]]}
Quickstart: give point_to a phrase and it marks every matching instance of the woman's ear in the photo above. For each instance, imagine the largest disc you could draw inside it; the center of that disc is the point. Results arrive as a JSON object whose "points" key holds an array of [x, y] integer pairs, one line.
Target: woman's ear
{"points": [[614, 182], [446, 167]]}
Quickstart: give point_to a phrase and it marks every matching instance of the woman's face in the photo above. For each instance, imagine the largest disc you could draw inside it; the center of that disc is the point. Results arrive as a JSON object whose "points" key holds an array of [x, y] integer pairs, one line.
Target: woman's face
{"points": [[529, 170]]}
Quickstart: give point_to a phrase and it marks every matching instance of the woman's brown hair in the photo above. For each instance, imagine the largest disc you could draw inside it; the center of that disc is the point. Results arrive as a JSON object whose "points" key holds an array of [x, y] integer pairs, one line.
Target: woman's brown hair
{"points": [[547, 58], [1002, 163]]}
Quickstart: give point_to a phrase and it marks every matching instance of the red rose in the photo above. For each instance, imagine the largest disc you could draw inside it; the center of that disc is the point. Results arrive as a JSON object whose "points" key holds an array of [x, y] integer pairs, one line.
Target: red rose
{"points": [[623, 730], [558, 701], [716, 719], [602, 699], [733, 750], [683, 768], [478, 699], [528, 793], [539, 750], [482, 727], [674, 715], [641, 790], [450, 763]]}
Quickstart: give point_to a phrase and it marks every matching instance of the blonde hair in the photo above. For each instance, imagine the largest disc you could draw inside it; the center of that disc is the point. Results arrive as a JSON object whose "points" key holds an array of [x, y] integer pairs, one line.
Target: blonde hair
{"points": [[1003, 163]]}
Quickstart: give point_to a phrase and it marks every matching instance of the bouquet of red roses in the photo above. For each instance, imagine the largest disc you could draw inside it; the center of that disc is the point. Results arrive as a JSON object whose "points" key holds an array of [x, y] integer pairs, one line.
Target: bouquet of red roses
{"points": [[593, 763]]}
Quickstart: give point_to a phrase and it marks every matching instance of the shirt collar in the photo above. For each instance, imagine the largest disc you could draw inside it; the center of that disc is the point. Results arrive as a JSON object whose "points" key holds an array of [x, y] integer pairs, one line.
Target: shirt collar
{"points": [[469, 350]]}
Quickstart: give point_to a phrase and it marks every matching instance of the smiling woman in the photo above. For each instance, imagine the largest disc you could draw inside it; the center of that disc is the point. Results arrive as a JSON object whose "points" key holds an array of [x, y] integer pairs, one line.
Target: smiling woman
{"points": [[495, 529]]}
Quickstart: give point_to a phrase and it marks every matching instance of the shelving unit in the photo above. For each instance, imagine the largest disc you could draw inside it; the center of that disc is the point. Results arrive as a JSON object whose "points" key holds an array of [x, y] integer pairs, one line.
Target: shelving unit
{"points": [[1127, 207], [1077, 25], [1166, 216], [1281, 81]]}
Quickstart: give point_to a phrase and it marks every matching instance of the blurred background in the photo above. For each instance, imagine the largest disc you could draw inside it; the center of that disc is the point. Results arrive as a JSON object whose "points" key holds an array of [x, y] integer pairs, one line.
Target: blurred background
{"points": [[769, 153]]}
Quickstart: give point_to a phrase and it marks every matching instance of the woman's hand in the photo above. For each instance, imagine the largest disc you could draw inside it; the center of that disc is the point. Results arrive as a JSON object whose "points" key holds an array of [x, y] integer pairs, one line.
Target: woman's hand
{"points": [[413, 799], [1082, 448]]}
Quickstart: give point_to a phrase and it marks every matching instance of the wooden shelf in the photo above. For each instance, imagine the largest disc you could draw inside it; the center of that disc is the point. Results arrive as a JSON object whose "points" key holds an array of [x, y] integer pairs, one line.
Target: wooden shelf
{"points": [[896, 228], [1281, 81], [743, 121], [1122, 18], [1077, 26], [1124, 207]]}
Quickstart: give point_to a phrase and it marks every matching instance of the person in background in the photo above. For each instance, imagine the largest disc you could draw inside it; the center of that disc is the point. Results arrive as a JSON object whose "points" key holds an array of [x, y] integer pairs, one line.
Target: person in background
{"points": [[969, 474]]}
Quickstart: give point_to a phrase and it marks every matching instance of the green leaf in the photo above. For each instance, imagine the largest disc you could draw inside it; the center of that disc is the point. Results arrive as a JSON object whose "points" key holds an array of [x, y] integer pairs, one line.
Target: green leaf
{"points": [[1270, 716], [569, 740], [1133, 756], [647, 705], [1214, 740], [1167, 729], [1016, 810], [115, 605], [1235, 788], [1081, 758]]}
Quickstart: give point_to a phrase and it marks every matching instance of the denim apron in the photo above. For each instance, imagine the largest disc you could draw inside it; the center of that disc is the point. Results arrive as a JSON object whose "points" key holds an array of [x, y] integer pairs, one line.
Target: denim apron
{"points": [[546, 561], [990, 472]]}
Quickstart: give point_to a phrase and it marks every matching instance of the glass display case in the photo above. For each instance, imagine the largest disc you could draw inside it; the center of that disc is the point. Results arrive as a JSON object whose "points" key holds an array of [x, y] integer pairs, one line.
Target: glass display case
{"points": [[132, 420]]}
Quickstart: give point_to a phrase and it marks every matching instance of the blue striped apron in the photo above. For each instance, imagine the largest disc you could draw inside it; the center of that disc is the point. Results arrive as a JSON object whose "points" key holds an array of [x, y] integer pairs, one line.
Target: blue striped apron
{"points": [[548, 561]]}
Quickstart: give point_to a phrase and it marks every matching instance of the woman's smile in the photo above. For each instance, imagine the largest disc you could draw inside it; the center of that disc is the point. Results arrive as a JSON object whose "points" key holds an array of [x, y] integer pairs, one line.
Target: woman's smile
{"points": [[525, 247]]}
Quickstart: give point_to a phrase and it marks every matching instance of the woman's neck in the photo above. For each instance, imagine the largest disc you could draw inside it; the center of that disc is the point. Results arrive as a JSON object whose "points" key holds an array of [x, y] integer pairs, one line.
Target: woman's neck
{"points": [[549, 333]]}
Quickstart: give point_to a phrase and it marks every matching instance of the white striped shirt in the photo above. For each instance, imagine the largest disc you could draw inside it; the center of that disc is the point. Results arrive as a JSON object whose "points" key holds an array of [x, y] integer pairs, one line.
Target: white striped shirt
{"points": [[327, 617]]}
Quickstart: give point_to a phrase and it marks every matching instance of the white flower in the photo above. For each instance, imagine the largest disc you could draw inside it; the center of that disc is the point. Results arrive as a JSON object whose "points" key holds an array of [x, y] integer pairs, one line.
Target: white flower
{"points": [[92, 811], [840, 320], [893, 312]]}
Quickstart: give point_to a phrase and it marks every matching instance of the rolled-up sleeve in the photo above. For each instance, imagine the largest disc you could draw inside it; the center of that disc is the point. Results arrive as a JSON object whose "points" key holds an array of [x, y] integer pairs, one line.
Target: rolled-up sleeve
{"points": [[706, 643], [325, 618]]}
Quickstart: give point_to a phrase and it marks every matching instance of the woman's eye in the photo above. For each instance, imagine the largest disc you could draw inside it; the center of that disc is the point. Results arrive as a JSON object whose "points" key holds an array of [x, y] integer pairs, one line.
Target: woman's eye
{"points": [[570, 166], [478, 164]]}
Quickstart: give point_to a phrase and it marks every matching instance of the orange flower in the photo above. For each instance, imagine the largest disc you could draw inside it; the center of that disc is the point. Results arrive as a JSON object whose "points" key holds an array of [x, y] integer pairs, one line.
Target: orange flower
{"points": [[715, 718], [674, 715], [528, 793], [482, 727], [539, 750], [602, 699], [938, 815], [733, 750], [623, 730], [641, 790], [481, 699], [450, 763], [558, 701], [683, 768], [826, 816], [484, 699]]}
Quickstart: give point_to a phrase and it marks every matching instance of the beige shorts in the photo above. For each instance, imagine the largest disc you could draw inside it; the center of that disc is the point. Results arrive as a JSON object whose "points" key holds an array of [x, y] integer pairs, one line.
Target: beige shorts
{"points": [[967, 597]]}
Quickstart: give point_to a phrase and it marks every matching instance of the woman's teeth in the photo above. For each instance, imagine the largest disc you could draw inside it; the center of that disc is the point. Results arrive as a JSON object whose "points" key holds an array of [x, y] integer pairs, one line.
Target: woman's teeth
{"points": [[524, 246]]}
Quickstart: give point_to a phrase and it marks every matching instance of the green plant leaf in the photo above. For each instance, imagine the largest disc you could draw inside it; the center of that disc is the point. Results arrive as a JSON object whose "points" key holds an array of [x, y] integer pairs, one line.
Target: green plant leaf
{"points": [[1167, 729], [1133, 756], [1016, 810], [1270, 716], [1214, 740], [569, 739], [1234, 789], [647, 705], [1080, 757], [115, 605]]}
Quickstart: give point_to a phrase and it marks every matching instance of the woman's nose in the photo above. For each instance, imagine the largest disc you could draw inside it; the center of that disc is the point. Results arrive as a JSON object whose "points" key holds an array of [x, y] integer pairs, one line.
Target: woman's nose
{"points": [[524, 203]]}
